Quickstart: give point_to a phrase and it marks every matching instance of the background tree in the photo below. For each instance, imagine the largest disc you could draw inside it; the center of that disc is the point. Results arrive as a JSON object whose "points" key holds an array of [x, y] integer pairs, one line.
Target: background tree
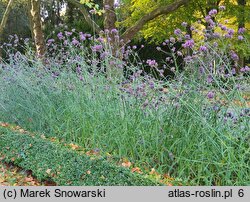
{"points": [[144, 21], [4, 21], [5, 16], [242, 24], [37, 28], [85, 13]]}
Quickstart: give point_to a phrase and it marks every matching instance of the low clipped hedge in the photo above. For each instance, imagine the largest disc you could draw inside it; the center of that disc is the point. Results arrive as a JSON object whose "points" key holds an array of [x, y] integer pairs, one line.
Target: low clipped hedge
{"points": [[51, 161]]}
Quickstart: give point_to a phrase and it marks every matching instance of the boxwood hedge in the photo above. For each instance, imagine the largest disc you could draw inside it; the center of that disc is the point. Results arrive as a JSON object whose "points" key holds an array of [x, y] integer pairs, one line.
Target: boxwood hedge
{"points": [[64, 166]]}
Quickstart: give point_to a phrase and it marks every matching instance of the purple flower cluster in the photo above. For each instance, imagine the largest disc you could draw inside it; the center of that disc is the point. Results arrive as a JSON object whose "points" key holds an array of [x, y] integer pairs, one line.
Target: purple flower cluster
{"points": [[184, 24], [152, 63], [207, 18], [203, 48], [222, 8], [187, 36], [82, 36], [60, 36], [114, 31], [245, 69], [50, 41], [75, 42], [172, 40], [188, 44], [241, 30], [177, 32], [223, 27], [230, 33], [97, 48], [234, 56], [213, 12], [241, 38], [67, 33]]}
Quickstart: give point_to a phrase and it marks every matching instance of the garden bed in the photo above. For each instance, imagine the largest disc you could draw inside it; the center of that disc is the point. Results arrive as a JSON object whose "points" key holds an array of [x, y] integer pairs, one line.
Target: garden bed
{"points": [[52, 161]]}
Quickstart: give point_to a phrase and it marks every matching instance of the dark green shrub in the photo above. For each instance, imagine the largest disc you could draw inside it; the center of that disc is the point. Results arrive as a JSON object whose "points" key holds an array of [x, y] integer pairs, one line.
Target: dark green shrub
{"points": [[49, 160]]}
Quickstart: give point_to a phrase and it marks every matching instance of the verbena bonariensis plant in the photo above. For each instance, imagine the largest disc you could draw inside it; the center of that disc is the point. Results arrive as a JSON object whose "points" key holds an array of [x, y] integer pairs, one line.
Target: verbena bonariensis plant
{"points": [[194, 127]]}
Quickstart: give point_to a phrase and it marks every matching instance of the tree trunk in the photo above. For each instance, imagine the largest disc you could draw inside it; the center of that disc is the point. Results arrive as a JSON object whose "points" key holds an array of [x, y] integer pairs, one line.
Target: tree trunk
{"points": [[241, 24], [109, 15], [70, 12], [30, 20], [4, 22], [37, 28], [58, 17], [113, 71]]}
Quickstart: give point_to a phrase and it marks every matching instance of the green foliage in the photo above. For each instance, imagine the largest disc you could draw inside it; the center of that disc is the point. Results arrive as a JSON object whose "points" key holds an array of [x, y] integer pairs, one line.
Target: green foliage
{"points": [[172, 126], [18, 22], [178, 133], [161, 27], [93, 5], [48, 160]]}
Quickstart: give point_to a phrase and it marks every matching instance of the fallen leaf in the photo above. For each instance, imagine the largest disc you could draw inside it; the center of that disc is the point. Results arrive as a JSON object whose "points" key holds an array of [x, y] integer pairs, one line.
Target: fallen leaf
{"points": [[74, 146], [126, 164], [28, 179], [52, 139], [165, 90], [4, 124], [136, 170], [92, 152], [155, 174], [11, 175], [17, 127], [43, 136], [21, 130], [152, 172], [48, 171], [166, 176]]}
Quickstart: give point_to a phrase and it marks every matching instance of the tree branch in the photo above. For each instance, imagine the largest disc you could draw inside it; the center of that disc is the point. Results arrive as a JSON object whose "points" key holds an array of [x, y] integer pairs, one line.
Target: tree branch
{"points": [[4, 21], [5, 16], [130, 32], [86, 15], [201, 9]]}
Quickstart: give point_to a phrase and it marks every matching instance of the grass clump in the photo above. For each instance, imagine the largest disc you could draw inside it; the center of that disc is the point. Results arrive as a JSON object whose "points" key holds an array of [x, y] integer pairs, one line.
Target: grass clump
{"points": [[187, 132]]}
